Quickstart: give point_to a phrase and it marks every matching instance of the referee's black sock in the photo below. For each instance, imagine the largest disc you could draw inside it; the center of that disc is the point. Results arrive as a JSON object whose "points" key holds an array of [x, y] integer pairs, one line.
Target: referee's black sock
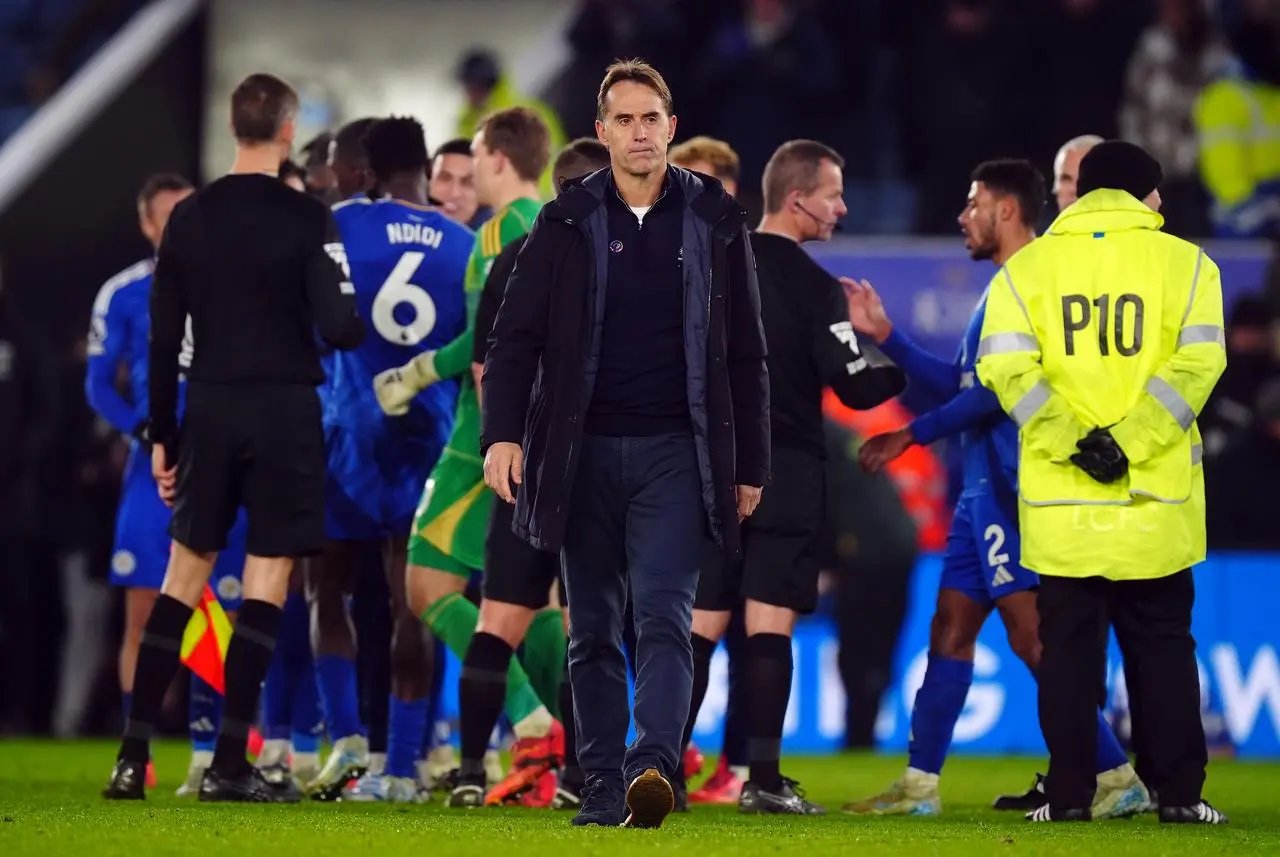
{"points": [[157, 662], [703, 649], [482, 690], [573, 776], [768, 689], [248, 658]]}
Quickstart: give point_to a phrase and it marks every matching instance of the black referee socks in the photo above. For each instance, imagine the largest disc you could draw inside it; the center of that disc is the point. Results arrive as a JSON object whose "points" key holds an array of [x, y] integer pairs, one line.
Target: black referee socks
{"points": [[248, 658], [157, 662], [768, 690], [482, 690], [703, 649]]}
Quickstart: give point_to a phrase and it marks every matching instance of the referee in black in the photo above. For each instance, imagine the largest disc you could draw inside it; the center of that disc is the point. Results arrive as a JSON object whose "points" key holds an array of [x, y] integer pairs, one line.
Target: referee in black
{"points": [[812, 346], [251, 270]]}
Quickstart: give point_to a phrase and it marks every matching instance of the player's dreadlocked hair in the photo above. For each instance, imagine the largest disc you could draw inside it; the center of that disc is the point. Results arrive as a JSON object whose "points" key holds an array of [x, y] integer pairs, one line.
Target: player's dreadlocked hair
{"points": [[396, 145], [348, 143]]}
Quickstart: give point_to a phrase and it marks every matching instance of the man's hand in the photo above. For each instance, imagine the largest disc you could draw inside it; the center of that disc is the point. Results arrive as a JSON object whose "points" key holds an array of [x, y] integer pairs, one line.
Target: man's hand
{"points": [[1101, 457], [866, 312], [503, 465], [166, 476], [748, 500], [395, 388], [883, 448]]}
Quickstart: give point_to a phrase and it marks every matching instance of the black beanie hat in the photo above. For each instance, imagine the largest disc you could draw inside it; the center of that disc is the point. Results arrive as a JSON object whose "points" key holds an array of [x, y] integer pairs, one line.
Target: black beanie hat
{"points": [[1118, 165]]}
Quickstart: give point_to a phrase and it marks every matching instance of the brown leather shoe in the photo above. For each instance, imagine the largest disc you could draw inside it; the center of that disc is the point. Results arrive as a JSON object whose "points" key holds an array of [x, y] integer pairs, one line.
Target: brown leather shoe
{"points": [[650, 799]]}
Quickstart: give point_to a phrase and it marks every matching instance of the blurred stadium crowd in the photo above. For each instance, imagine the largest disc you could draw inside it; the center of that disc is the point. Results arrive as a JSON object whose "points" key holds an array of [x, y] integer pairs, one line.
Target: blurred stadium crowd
{"points": [[913, 93]]}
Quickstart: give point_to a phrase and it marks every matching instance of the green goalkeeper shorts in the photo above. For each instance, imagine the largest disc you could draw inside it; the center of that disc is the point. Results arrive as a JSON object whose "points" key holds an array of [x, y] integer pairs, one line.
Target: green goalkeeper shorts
{"points": [[453, 515]]}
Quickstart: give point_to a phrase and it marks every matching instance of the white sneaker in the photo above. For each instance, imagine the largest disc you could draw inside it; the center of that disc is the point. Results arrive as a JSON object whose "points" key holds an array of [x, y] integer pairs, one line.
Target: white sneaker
{"points": [[440, 761], [493, 772], [915, 794], [347, 760], [200, 762], [404, 790], [273, 753], [305, 767], [1120, 794], [368, 788]]}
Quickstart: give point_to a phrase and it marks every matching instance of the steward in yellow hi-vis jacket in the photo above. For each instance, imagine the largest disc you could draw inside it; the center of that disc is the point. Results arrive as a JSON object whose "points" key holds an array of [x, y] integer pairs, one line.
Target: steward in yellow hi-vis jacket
{"points": [[1102, 340]]}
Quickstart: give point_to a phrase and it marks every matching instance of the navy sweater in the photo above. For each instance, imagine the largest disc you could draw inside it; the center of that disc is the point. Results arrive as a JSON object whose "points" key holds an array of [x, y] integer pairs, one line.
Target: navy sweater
{"points": [[640, 388]]}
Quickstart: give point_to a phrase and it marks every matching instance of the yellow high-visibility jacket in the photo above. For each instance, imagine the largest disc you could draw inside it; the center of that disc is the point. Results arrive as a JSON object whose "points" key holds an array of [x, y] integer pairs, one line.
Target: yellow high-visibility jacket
{"points": [[1107, 321], [1237, 122], [504, 95]]}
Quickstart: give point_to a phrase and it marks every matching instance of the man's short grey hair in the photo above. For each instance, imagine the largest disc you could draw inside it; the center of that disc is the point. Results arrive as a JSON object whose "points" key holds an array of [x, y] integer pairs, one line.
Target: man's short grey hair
{"points": [[1084, 141]]}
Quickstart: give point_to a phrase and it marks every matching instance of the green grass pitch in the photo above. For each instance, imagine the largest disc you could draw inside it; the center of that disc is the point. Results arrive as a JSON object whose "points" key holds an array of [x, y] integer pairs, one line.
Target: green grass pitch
{"points": [[49, 806]]}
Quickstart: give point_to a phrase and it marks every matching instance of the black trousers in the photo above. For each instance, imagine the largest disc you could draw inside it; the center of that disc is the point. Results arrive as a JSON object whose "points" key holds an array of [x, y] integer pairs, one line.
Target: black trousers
{"points": [[1152, 620]]}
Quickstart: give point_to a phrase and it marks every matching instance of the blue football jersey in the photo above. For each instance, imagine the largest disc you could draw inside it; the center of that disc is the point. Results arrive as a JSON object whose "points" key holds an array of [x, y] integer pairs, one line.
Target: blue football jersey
{"points": [[990, 452], [407, 264], [119, 333]]}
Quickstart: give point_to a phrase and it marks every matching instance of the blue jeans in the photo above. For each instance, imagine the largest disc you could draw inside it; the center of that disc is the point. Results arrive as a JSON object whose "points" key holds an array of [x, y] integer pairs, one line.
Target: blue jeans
{"points": [[636, 525]]}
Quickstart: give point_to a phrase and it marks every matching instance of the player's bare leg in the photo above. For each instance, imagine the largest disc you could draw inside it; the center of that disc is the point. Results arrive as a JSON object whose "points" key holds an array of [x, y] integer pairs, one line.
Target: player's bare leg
{"points": [[412, 662], [330, 579], [157, 660], [1120, 792], [953, 637]]}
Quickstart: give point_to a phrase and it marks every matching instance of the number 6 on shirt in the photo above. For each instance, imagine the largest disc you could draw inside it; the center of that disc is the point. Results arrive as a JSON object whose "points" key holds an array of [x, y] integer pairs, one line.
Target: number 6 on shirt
{"points": [[397, 289]]}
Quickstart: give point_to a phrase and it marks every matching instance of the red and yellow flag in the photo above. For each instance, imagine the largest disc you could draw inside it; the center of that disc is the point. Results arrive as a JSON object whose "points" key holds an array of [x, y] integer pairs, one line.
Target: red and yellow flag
{"points": [[204, 643]]}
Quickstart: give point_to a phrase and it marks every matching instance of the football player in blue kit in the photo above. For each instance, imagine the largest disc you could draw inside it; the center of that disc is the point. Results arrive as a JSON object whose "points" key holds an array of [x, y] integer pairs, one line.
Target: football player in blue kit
{"points": [[353, 684], [292, 719], [981, 568], [407, 262], [118, 338]]}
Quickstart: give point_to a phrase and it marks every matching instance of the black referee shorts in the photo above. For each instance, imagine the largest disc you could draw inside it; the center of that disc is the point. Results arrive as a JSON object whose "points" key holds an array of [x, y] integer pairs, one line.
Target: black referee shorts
{"points": [[780, 561], [515, 572], [260, 447]]}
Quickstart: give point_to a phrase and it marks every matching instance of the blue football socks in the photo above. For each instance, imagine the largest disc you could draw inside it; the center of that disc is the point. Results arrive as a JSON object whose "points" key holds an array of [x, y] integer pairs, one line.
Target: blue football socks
{"points": [[336, 680], [406, 736], [937, 708], [204, 715]]}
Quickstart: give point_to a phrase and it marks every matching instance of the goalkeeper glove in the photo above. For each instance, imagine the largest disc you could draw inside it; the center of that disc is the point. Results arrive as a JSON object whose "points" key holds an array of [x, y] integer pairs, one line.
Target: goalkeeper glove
{"points": [[1101, 457], [395, 388]]}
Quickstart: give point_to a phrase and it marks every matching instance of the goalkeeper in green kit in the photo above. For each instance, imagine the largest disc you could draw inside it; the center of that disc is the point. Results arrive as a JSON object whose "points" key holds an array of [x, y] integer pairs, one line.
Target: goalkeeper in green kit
{"points": [[448, 541]]}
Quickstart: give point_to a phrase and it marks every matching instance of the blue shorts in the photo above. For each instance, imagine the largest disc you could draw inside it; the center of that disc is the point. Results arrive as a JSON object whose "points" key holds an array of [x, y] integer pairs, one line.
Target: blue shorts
{"points": [[984, 552], [374, 483], [141, 552]]}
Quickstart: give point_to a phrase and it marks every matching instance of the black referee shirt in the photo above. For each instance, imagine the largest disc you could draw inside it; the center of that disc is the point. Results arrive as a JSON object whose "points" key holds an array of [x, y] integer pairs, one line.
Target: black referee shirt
{"points": [[812, 346], [258, 268]]}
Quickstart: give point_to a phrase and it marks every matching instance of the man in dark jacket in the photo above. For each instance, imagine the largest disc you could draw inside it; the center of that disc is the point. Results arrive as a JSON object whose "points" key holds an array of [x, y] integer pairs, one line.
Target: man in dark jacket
{"points": [[626, 411]]}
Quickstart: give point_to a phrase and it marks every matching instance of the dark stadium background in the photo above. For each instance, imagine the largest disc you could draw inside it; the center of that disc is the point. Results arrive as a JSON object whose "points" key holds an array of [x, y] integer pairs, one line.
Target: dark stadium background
{"points": [[95, 95]]}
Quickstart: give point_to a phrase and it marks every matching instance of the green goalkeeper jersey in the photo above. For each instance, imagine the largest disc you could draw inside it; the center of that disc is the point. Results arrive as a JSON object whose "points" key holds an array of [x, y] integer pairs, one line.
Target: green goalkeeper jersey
{"points": [[454, 359]]}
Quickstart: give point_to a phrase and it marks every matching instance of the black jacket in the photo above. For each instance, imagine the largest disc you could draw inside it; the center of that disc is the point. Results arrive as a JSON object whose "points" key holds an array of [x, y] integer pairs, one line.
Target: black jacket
{"points": [[545, 347]]}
